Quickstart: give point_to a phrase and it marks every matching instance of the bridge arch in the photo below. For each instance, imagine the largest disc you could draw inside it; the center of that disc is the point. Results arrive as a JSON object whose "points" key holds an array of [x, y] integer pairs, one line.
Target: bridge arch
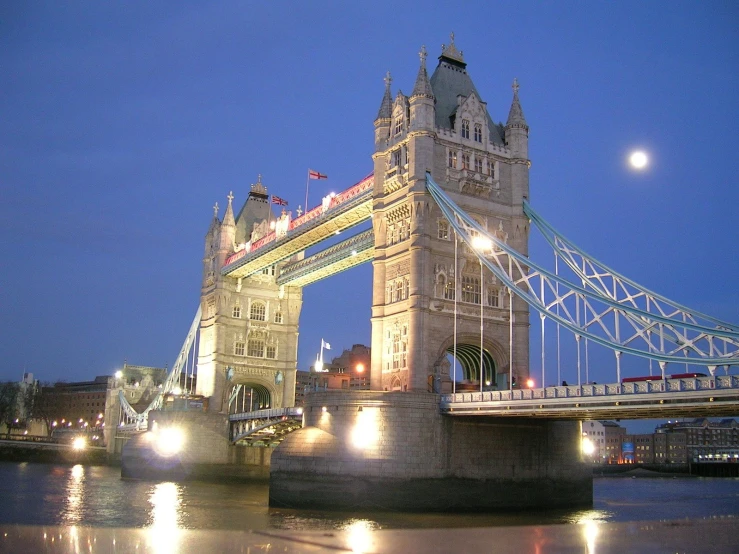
{"points": [[495, 360], [250, 396]]}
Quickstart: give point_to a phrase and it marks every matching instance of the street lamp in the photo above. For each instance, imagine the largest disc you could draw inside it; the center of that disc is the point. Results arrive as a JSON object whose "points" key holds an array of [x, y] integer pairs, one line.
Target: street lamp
{"points": [[481, 244]]}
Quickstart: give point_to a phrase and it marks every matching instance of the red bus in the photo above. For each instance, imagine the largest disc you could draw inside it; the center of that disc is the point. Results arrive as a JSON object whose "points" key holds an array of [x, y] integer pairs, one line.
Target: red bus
{"points": [[659, 377]]}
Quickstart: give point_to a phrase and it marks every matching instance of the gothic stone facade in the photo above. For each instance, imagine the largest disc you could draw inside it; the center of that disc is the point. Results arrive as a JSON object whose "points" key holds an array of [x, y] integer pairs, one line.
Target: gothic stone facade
{"points": [[444, 128], [249, 326]]}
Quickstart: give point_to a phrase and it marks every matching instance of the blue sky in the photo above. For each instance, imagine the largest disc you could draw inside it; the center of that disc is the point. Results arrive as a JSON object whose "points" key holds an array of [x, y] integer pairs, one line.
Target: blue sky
{"points": [[122, 124]]}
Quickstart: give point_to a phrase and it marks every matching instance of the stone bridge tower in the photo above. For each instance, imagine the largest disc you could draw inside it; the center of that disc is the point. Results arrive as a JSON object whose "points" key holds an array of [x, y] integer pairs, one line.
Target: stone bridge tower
{"points": [[444, 127], [249, 327]]}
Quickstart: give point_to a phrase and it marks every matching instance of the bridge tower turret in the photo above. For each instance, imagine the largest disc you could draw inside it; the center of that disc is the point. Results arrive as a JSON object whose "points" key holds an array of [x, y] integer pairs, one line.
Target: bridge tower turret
{"points": [[249, 325], [444, 128]]}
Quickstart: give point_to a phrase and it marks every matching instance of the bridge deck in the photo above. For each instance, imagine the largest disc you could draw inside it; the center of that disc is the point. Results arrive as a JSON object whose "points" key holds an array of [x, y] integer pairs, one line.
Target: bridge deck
{"points": [[695, 397]]}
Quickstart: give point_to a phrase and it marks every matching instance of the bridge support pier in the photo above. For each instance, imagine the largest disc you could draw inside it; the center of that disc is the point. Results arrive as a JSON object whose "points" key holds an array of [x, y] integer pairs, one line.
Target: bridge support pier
{"points": [[393, 450]]}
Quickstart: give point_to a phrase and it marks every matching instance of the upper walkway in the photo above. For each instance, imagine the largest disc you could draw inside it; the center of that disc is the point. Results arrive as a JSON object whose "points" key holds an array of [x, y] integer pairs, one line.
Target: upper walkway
{"points": [[336, 213]]}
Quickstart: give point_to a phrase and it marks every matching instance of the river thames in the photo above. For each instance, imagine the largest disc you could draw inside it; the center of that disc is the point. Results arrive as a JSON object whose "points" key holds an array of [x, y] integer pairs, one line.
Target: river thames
{"points": [[96, 496]]}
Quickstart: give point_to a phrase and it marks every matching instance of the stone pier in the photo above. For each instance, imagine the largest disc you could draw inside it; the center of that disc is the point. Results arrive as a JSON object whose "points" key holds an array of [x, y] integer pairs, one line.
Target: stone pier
{"points": [[395, 451]]}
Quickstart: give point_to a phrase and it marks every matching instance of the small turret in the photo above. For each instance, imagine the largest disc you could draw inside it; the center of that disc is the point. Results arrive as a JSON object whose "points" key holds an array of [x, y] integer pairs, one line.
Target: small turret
{"points": [[517, 140], [384, 115], [228, 231], [422, 99], [516, 129]]}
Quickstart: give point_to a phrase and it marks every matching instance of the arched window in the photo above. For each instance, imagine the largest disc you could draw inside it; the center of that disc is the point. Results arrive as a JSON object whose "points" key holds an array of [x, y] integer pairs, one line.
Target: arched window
{"points": [[494, 297], [236, 311], [399, 290], [406, 287], [465, 129], [465, 161], [258, 311], [440, 286], [450, 291], [255, 348], [478, 164], [478, 132], [470, 289], [278, 317], [453, 159]]}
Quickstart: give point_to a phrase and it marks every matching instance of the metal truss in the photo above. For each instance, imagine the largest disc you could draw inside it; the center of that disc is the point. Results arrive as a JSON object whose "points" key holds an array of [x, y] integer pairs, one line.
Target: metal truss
{"points": [[347, 254], [139, 421], [346, 209], [265, 427], [599, 305]]}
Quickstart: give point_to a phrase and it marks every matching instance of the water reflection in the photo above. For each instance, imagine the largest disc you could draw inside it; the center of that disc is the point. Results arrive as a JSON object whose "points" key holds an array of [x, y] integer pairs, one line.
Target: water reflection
{"points": [[164, 530], [75, 489], [360, 534]]}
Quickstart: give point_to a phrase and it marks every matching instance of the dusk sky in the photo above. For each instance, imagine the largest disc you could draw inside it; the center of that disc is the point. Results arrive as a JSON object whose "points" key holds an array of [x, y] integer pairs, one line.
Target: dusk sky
{"points": [[123, 123]]}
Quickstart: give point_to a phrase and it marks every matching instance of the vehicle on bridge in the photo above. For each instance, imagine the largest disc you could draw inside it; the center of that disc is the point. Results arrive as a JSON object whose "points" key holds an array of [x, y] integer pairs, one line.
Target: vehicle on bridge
{"points": [[659, 377]]}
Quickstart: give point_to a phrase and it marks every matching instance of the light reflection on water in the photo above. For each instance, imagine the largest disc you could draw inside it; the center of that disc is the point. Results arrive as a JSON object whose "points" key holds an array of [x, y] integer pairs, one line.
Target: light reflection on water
{"points": [[164, 536], [95, 496], [73, 509]]}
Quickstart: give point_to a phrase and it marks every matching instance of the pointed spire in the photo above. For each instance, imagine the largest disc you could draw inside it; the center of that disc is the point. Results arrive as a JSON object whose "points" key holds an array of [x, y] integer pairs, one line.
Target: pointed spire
{"points": [[515, 116], [386, 107], [451, 53], [422, 86], [228, 218]]}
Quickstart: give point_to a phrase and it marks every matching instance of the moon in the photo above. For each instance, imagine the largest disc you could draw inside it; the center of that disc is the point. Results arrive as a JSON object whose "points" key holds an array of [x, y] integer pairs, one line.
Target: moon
{"points": [[638, 160]]}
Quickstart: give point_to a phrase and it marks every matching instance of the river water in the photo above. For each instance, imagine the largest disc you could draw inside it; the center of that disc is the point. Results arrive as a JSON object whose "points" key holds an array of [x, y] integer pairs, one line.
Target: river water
{"points": [[96, 496]]}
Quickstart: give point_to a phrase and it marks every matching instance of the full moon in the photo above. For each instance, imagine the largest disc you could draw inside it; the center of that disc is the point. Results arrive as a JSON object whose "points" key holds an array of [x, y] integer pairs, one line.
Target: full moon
{"points": [[638, 160]]}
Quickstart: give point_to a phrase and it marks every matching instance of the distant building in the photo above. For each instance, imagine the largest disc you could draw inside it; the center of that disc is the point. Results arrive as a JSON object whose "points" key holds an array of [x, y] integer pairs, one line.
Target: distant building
{"points": [[699, 440], [614, 434], [349, 371]]}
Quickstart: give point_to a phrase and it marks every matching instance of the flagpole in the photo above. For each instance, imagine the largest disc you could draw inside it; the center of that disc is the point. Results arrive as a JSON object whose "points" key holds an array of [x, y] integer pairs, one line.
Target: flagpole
{"points": [[307, 182]]}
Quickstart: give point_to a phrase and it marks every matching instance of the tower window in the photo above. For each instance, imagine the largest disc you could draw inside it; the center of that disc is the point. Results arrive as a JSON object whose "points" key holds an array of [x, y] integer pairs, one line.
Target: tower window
{"points": [[478, 164], [278, 317], [491, 168], [271, 352], [449, 291], [478, 132], [453, 159], [494, 297], [256, 348], [238, 348], [398, 125], [443, 229], [465, 129], [258, 311], [465, 161], [236, 311], [471, 289]]}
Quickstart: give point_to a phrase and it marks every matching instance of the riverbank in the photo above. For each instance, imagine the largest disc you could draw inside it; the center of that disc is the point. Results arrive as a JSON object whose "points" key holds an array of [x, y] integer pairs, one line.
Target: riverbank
{"points": [[47, 453]]}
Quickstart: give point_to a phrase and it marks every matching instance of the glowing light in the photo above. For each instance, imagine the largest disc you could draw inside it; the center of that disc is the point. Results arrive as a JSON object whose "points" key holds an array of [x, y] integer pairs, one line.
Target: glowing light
{"points": [[365, 433], [79, 443], [638, 160], [530, 383], [176, 391], [318, 365], [169, 441], [480, 243], [118, 374], [590, 532], [324, 409], [360, 368], [300, 411], [587, 447]]}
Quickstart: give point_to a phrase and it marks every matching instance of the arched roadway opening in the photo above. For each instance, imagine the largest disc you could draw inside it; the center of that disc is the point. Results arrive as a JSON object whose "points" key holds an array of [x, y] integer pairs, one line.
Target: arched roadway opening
{"points": [[249, 397], [473, 364]]}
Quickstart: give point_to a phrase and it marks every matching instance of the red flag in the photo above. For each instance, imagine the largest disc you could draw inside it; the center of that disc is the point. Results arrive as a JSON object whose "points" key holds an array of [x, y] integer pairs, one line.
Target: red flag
{"points": [[315, 175], [279, 201]]}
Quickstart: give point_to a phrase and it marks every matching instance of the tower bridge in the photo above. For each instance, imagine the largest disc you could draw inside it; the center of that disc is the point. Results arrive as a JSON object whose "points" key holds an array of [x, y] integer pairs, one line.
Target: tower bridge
{"points": [[453, 286]]}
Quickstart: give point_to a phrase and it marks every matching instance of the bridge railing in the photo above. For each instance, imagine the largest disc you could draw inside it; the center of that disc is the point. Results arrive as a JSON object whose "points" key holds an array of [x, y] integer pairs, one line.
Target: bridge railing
{"points": [[609, 389], [339, 202], [267, 414]]}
